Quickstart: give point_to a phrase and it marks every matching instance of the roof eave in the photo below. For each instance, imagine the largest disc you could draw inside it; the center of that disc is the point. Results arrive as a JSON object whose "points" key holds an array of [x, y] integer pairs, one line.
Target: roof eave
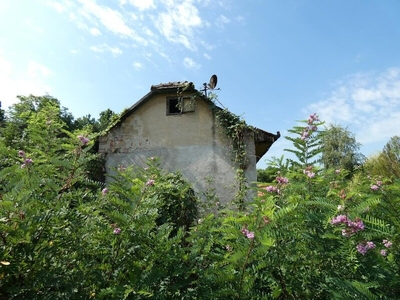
{"points": [[263, 141]]}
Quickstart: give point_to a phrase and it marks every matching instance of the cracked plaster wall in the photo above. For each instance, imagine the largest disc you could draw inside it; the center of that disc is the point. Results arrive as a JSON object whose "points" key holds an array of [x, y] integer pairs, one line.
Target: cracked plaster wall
{"points": [[191, 143]]}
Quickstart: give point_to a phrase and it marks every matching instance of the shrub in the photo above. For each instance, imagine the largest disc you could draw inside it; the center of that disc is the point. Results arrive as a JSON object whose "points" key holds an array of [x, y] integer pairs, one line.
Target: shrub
{"points": [[310, 234]]}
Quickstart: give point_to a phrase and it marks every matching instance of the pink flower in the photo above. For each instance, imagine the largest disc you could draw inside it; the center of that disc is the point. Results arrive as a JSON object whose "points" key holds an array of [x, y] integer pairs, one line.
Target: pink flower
{"points": [[383, 253], [150, 182], [364, 247], [361, 249], [374, 187], [305, 135], [339, 219], [370, 245], [83, 139], [357, 224], [271, 188], [352, 227], [104, 191], [247, 233], [250, 235], [282, 180], [117, 230], [28, 161], [21, 153], [311, 175], [387, 243], [313, 118], [379, 183], [337, 171]]}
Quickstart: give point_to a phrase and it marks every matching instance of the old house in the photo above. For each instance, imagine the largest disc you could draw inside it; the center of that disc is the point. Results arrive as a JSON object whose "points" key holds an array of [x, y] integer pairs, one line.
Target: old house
{"points": [[182, 129]]}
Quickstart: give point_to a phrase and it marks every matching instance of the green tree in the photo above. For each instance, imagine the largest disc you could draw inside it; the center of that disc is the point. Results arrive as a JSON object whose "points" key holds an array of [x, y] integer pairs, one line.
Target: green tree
{"points": [[106, 118], [266, 175], [391, 152], [85, 122], [340, 150], [14, 130], [89, 123], [387, 162]]}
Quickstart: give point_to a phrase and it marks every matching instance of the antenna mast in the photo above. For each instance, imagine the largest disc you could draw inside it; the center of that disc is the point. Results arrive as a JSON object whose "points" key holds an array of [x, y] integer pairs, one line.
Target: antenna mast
{"points": [[211, 86]]}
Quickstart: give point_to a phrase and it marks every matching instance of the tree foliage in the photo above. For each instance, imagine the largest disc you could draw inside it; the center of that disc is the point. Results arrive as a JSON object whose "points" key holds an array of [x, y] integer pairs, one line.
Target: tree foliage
{"points": [[340, 150], [306, 142], [387, 162]]}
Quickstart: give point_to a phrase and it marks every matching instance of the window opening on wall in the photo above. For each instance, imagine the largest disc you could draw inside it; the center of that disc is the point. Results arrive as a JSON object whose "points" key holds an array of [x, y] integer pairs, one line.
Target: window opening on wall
{"points": [[173, 107], [176, 106]]}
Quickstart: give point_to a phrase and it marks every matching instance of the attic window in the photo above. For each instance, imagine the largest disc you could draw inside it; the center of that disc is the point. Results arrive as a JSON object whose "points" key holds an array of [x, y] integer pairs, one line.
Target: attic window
{"points": [[176, 106]]}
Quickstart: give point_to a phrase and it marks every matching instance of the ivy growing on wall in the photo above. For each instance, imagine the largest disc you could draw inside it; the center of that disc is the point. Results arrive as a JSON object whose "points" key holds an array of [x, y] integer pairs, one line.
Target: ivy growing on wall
{"points": [[236, 130]]}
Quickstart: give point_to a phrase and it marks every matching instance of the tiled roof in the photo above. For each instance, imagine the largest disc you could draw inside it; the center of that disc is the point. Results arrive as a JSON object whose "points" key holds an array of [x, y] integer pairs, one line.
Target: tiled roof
{"points": [[172, 85]]}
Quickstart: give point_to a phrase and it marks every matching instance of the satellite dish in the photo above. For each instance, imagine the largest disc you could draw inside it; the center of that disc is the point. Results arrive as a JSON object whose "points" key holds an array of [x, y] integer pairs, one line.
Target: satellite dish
{"points": [[213, 82]]}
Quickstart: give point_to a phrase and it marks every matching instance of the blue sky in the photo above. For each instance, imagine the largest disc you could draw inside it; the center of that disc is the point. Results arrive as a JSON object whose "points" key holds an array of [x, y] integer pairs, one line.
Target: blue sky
{"points": [[276, 61]]}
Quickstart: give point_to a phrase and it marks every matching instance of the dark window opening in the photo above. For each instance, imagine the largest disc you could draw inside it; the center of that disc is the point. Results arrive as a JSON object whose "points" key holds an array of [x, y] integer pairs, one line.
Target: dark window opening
{"points": [[173, 107], [177, 106]]}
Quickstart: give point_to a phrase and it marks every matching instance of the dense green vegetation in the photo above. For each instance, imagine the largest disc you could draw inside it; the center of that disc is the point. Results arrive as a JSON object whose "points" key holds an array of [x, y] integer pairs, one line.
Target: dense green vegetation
{"points": [[313, 232]]}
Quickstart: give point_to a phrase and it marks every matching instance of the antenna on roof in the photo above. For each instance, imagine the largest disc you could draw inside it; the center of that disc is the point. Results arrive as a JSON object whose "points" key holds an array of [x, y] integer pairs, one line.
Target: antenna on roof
{"points": [[213, 82], [211, 85]]}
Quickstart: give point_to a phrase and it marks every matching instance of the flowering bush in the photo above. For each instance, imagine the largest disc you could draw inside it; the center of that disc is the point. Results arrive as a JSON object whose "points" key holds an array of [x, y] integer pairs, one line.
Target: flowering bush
{"points": [[310, 234]]}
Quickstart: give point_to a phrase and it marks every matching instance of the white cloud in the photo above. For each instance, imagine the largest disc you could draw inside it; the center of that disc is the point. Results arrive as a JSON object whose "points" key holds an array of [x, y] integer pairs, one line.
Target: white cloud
{"points": [[36, 70], [138, 65], [95, 31], [190, 64], [369, 103], [58, 6], [222, 21], [31, 80], [207, 56], [146, 22], [178, 23], [148, 32], [110, 18], [206, 45], [106, 48], [165, 56], [240, 19], [116, 51], [143, 4]]}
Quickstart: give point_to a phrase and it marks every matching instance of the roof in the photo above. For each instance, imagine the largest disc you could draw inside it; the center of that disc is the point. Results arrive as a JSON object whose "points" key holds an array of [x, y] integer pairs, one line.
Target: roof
{"points": [[263, 139]]}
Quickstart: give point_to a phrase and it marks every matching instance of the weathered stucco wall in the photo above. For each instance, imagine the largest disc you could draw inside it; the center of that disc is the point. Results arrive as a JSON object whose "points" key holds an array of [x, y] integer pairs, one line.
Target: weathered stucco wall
{"points": [[191, 143]]}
